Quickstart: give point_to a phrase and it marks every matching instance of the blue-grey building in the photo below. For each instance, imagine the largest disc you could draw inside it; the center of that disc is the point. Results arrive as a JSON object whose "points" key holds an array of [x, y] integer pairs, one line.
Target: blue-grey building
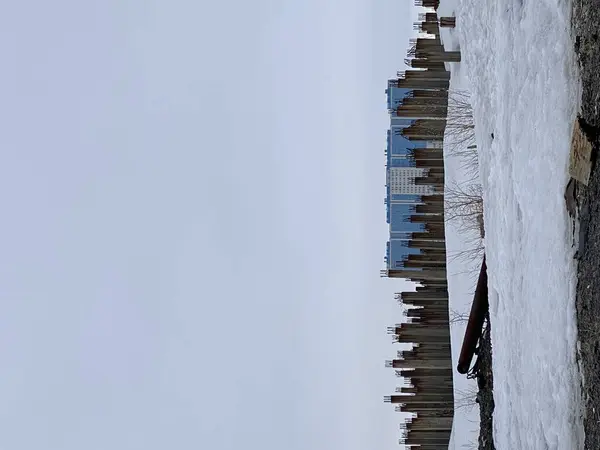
{"points": [[395, 95], [397, 251], [401, 196]]}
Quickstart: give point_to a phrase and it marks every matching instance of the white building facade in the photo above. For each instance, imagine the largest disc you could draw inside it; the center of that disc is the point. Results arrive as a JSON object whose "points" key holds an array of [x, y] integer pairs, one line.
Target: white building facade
{"points": [[401, 180]]}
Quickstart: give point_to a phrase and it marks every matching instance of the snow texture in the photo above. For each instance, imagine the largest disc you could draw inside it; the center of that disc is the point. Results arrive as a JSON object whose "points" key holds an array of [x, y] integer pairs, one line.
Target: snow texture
{"points": [[462, 275], [518, 63]]}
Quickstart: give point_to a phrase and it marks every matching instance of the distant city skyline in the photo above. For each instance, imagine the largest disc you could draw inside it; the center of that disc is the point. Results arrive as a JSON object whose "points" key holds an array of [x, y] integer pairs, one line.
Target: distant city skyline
{"points": [[402, 193]]}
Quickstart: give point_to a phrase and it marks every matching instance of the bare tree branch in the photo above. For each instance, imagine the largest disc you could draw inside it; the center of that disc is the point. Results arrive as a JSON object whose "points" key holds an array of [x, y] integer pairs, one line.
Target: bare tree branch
{"points": [[464, 205], [466, 400], [460, 125], [458, 317]]}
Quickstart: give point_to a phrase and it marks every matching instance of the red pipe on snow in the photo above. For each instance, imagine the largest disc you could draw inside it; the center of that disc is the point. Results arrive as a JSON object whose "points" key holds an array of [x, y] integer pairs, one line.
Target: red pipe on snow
{"points": [[476, 319]]}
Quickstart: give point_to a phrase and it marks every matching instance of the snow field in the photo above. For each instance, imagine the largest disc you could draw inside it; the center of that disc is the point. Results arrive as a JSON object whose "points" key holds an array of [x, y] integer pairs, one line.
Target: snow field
{"points": [[518, 63]]}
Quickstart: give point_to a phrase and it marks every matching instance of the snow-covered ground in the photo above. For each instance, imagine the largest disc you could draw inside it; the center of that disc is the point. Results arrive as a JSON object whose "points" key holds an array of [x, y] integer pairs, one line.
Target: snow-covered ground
{"points": [[462, 277], [518, 63]]}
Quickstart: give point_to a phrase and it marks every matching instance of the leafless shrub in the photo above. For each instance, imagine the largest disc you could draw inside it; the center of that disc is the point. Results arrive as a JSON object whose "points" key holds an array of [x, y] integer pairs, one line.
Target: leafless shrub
{"points": [[473, 251], [458, 317], [464, 205], [469, 159], [466, 400], [460, 125], [464, 201], [471, 445], [460, 133], [464, 208], [469, 258]]}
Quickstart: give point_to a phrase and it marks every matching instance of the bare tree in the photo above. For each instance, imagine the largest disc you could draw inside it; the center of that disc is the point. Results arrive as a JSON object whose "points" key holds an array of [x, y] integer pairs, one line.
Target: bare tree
{"points": [[471, 445], [460, 133], [458, 317], [466, 400], [464, 205], [469, 158], [464, 208], [460, 124], [468, 259]]}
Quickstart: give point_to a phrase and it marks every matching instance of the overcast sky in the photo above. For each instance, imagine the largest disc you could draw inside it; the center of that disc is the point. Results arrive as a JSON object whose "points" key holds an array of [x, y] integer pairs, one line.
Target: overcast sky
{"points": [[193, 224]]}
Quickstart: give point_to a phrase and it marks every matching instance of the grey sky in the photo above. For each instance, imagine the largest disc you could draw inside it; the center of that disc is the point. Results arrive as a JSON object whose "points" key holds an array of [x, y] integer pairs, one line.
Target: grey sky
{"points": [[193, 224]]}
